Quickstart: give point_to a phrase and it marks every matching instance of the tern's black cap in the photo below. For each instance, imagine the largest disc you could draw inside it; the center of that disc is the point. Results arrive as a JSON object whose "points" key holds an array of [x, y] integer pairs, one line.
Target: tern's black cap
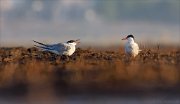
{"points": [[71, 41], [130, 36]]}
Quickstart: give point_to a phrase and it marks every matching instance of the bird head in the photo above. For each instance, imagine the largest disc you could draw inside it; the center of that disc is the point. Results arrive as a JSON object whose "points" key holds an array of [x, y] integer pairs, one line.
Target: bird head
{"points": [[129, 36], [74, 42]]}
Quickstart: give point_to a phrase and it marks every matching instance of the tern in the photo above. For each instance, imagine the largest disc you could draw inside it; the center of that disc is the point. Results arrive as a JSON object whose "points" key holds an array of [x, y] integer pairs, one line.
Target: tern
{"points": [[66, 48], [131, 48]]}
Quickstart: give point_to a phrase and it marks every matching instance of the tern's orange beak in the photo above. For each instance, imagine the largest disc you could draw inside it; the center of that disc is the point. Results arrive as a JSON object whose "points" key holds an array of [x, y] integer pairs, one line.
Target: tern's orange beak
{"points": [[124, 38]]}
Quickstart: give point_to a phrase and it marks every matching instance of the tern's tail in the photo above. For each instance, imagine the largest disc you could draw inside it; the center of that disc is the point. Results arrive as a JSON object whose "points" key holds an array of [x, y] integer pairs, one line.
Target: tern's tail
{"points": [[47, 48], [43, 46], [40, 43]]}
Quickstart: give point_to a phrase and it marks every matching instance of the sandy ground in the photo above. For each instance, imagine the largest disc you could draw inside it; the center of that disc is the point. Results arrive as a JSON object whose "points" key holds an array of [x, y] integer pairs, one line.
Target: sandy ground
{"points": [[41, 75]]}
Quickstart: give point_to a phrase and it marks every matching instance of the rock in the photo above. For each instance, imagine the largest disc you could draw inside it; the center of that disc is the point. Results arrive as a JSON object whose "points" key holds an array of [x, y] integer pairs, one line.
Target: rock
{"points": [[16, 53], [8, 59]]}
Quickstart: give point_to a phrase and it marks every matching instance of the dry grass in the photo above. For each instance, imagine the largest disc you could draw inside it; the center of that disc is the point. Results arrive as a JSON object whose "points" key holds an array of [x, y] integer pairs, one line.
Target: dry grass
{"points": [[89, 70]]}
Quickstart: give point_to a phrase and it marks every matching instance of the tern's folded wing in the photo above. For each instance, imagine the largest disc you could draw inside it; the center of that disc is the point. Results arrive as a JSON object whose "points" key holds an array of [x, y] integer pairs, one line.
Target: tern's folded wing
{"points": [[60, 47], [128, 48]]}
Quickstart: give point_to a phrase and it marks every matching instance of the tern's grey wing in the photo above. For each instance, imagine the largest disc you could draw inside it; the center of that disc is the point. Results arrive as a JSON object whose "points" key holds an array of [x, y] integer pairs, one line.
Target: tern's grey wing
{"points": [[128, 48], [60, 47], [42, 44]]}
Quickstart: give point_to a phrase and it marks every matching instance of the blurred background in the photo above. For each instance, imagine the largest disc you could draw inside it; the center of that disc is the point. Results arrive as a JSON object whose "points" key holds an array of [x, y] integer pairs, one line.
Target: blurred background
{"points": [[102, 22]]}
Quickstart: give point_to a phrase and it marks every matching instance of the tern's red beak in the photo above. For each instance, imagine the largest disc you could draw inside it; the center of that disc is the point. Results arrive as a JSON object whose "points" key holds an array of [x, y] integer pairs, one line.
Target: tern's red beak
{"points": [[124, 38]]}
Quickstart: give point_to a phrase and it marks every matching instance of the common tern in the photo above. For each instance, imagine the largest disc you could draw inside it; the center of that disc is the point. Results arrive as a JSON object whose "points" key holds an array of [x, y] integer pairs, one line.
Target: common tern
{"points": [[66, 48], [131, 48]]}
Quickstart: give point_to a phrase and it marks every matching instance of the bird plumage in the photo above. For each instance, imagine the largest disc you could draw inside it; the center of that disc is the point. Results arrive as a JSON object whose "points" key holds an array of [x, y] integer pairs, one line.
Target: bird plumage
{"points": [[131, 47], [67, 48]]}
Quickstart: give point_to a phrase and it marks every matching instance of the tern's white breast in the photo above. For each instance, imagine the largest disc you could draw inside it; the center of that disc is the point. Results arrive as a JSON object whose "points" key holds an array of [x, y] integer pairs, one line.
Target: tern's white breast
{"points": [[72, 50], [69, 51], [132, 49]]}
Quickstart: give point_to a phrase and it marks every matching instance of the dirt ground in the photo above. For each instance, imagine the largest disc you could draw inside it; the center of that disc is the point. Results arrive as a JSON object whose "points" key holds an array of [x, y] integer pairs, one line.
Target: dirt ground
{"points": [[89, 70]]}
